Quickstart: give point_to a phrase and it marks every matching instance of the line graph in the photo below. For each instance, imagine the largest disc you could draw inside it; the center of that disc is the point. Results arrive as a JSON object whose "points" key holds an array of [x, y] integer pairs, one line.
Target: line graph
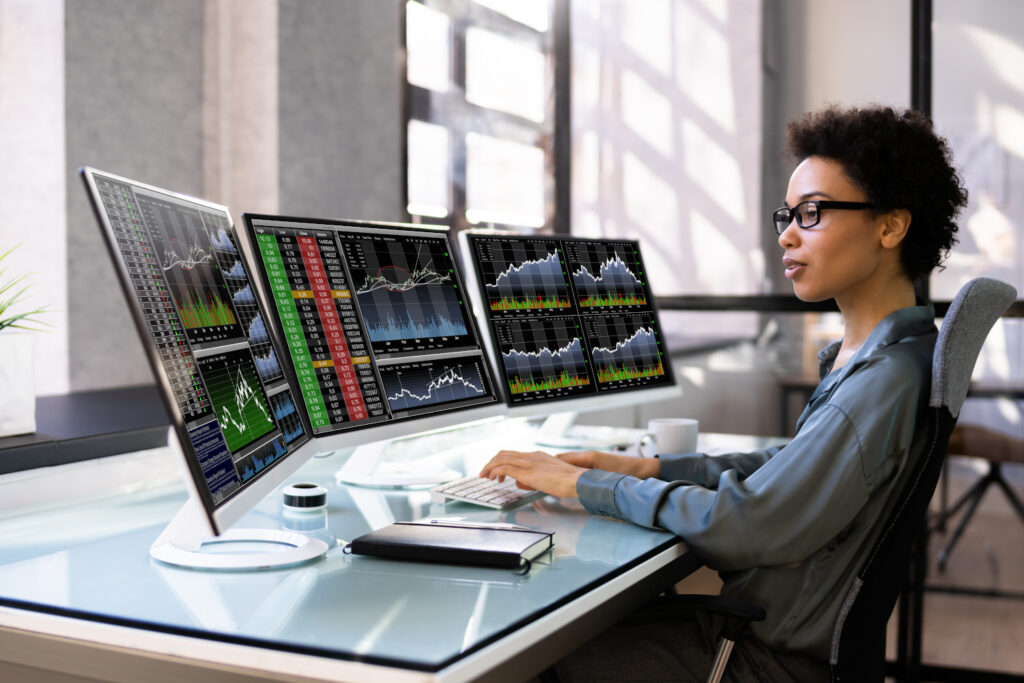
{"points": [[185, 256], [625, 349], [543, 355], [430, 383], [398, 279], [237, 397], [408, 293], [522, 275], [607, 274]]}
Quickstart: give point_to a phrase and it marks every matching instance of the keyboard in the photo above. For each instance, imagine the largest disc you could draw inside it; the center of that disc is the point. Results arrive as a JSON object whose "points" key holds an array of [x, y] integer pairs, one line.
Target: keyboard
{"points": [[487, 492]]}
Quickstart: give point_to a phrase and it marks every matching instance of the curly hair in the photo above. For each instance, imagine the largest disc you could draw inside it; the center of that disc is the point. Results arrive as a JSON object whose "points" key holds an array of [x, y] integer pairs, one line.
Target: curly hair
{"points": [[899, 161]]}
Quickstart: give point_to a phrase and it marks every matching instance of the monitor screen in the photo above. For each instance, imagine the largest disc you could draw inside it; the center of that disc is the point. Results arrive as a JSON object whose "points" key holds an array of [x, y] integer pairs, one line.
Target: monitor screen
{"points": [[569, 318], [374, 319], [205, 332]]}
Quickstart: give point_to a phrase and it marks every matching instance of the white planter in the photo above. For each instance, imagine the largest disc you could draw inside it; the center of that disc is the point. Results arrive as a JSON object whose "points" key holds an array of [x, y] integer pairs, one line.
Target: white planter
{"points": [[17, 383]]}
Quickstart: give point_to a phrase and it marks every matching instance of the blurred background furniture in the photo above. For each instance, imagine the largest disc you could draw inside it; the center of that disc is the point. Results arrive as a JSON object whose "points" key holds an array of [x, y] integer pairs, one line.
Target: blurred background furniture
{"points": [[997, 448]]}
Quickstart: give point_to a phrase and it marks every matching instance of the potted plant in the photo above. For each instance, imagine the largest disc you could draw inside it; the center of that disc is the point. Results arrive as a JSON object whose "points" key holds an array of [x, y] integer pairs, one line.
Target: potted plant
{"points": [[17, 380]]}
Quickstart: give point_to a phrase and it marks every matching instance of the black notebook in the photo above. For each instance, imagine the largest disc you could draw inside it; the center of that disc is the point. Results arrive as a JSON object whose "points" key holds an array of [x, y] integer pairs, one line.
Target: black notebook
{"points": [[454, 543]]}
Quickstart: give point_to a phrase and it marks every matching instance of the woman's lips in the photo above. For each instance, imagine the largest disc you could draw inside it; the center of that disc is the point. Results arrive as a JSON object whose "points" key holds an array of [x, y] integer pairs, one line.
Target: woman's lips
{"points": [[793, 267]]}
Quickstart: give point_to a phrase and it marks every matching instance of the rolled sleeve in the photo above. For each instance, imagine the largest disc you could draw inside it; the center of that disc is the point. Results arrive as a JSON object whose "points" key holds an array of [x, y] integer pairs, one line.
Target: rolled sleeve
{"points": [[705, 470], [596, 489]]}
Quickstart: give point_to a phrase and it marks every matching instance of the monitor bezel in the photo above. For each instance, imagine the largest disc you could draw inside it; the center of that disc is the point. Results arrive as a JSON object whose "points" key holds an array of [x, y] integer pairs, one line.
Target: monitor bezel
{"points": [[217, 517], [574, 404], [401, 427]]}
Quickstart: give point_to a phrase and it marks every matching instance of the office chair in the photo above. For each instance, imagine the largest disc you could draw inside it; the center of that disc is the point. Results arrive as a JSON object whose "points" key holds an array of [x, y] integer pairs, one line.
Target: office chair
{"points": [[896, 563]]}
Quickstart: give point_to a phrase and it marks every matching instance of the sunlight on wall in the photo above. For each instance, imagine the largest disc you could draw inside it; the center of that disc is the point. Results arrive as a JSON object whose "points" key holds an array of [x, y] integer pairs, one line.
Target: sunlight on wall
{"points": [[721, 268], [715, 170], [703, 64], [1005, 58], [666, 137], [647, 112], [648, 34], [1009, 128], [719, 9]]}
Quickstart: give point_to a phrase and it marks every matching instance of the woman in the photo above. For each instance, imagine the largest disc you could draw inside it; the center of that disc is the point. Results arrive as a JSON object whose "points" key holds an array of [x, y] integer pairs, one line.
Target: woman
{"points": [[869, 211]]}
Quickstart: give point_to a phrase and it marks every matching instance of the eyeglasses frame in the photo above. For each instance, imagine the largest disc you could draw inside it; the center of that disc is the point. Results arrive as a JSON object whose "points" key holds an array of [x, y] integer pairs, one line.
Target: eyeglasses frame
{"points": [[819, 204]]}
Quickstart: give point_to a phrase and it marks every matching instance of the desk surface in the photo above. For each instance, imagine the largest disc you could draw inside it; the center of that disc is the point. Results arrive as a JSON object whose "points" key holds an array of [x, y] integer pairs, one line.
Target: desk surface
{"points": [[83, 573]]}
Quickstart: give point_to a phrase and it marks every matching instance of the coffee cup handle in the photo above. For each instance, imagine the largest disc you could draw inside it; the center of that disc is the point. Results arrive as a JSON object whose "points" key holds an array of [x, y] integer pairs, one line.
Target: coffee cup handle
{"points": [[646, 436]]}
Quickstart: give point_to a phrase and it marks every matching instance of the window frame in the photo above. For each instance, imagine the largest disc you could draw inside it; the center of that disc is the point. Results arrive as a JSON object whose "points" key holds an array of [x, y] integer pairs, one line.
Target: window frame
{"points": [[452, 110]]}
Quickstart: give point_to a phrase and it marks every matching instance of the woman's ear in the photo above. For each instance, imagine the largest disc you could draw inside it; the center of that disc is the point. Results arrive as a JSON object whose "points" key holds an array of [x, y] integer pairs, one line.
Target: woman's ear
{"points": [[895, 224]]}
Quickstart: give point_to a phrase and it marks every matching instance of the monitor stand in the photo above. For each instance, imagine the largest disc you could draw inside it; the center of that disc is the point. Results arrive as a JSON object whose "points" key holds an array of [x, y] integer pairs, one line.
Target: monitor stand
{"points": [[557, 431], [188, 541], [367, 467]]}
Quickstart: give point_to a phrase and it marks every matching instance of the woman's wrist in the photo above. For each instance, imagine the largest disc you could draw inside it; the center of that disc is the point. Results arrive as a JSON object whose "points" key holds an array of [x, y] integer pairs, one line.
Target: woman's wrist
{"points": [[647, 468]]}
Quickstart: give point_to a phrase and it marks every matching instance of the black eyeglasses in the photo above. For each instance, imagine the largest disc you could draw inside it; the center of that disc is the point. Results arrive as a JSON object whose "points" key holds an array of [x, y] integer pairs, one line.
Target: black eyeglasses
{"points": [[808, 214]]}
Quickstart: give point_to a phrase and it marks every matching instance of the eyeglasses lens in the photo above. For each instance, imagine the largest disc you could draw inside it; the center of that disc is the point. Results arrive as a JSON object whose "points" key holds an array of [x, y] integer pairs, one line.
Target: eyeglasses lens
{"points": [[807, 214], [782, 218]]}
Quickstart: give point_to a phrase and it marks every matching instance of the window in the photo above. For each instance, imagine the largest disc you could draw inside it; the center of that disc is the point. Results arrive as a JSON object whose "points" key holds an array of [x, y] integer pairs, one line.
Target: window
{"points": [[483, 112]]}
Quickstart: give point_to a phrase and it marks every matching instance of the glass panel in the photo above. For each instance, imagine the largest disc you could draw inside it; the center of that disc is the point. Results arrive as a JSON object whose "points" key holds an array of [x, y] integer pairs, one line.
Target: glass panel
{"points": [[504, 182], [428, 44], [504, 74], [428, 169], [534, 13], [978, 104]]}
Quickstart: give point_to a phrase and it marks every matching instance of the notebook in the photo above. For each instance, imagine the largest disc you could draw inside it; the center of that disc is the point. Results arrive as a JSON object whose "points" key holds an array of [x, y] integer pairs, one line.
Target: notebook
{"points": [[455, 543]]}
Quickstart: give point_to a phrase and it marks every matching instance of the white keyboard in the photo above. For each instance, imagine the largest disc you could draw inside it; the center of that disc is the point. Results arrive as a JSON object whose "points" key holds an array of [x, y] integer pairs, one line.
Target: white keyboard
{"points": [[487, 492]]}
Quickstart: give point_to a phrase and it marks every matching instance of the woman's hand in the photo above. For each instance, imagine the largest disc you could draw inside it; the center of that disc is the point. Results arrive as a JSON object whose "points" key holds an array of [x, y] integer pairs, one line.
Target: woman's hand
{"points": [[535, 470], [643, 468]]}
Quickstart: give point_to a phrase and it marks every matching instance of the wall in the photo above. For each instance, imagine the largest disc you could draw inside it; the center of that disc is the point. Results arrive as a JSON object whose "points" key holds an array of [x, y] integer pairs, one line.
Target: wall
{"points": [[342, 118], [290, 105], [133, 93]]}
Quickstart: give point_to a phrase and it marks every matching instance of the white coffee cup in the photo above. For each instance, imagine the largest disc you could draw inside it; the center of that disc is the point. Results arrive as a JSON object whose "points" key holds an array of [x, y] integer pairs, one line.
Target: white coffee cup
{"points": [[669, 435]]}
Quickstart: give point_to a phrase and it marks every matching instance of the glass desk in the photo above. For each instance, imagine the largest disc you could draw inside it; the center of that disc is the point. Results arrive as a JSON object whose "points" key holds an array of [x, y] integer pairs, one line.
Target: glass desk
{"points": [[80, 594]]}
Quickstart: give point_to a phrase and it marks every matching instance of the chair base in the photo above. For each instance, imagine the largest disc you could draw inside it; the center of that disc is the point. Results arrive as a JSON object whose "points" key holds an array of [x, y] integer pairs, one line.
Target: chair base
{"points": [[972, 498]]}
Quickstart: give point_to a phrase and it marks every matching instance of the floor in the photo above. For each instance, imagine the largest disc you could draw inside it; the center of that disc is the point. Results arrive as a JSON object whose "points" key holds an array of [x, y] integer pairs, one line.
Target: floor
{"points": [[969, 631], [966, 631]]}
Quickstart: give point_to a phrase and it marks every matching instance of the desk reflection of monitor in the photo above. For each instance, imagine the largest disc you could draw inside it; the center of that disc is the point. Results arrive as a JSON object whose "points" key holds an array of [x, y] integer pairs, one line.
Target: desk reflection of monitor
{"points": [[234, 382], [572, 325]]}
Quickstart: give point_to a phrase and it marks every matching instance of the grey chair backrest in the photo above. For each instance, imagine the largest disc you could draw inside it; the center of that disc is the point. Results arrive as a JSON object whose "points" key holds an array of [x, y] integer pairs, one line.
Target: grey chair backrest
{"points": [[971, 315]]}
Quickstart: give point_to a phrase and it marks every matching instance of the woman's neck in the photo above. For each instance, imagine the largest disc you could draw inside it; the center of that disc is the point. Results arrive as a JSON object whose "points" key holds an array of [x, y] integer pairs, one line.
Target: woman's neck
{"points": [[863, 312]]}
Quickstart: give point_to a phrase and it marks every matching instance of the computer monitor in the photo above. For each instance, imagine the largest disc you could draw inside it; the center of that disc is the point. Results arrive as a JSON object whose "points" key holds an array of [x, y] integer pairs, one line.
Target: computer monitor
{"points": [[233, 409], [379, 331], [572, 321], [240, 408]]}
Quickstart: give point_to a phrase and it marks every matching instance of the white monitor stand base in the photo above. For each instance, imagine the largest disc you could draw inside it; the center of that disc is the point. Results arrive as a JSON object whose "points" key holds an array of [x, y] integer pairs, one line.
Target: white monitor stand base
{"points": [[365, 468], [557, 431], [184, 544]]}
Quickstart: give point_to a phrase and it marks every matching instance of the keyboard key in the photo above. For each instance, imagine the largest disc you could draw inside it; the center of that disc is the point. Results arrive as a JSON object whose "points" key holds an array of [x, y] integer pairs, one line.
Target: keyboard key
{"points": [[487, 492]]}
